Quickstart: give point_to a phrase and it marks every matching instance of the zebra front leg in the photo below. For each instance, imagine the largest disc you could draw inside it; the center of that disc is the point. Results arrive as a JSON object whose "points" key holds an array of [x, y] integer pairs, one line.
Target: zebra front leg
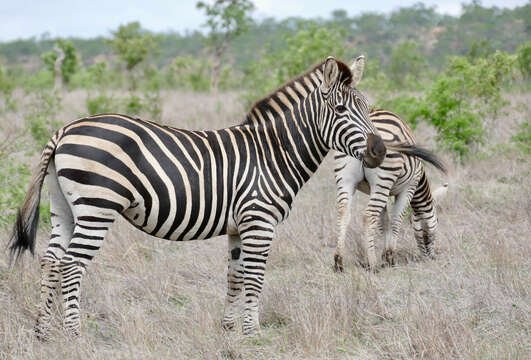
{"points": [[88, 236], [256, 241], [344, 201], [235, 277], [373, 226], [62, 228]]}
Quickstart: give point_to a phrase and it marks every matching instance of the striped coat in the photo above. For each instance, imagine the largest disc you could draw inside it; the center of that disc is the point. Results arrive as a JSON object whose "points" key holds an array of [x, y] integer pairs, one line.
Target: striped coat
{"points": [[182, 185]]}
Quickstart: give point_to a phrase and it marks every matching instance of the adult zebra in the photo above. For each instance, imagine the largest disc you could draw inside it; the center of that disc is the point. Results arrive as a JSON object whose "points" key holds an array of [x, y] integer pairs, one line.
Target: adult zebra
{"points": [[183, 185], [400, 175]]}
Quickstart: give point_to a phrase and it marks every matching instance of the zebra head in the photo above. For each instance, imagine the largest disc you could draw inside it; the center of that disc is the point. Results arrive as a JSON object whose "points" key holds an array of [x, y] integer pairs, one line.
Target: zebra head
{"points": [[347, 126]]}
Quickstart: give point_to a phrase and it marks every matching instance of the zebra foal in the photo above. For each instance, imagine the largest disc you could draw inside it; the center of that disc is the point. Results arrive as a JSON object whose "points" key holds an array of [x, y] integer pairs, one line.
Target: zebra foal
{"points": [[400, 175], [180, 185]]}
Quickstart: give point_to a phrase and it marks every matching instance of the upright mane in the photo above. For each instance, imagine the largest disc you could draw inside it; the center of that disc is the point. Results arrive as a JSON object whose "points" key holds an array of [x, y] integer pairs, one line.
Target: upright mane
{"points": [[345, 75]]}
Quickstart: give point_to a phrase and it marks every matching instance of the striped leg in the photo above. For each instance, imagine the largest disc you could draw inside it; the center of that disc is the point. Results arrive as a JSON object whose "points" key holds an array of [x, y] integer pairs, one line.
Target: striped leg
{"points": [[399, 208], [424, 218], [344, 203], [62, 229], [373, 224], [235, 276], [348, 173], [88, 236], [256, 238]]}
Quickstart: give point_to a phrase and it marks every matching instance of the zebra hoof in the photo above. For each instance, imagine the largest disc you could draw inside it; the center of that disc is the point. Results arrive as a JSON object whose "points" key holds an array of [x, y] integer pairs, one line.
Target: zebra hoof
{"points": [[389, 257], [227, 325], [338, 263], [42, 332]]}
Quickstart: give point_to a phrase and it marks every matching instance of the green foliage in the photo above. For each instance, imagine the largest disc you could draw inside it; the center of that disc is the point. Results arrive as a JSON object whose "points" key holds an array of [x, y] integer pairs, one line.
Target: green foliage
{"points": [[407, 64], [410, 108], [190, 73], [70, 63], [524, 59], [480, 49], [13, 179], [460, 101], [100, 104], [226, 19], [41, 120], [309, 45], [7, 86], [133, 44], [523, 138]]}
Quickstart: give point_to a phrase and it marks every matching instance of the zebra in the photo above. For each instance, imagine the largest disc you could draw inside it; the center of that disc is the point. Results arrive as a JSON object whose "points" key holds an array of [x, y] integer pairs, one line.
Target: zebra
{"points": [[399, 175], [181, 185]]}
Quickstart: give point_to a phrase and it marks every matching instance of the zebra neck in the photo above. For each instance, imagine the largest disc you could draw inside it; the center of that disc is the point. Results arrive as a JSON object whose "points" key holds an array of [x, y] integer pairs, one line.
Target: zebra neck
{"points": [[286, 129]]}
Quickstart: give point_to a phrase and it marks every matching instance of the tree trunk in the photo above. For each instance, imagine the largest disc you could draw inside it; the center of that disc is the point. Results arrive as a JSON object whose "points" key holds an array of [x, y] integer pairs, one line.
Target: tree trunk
{"points": [[58, 75]]}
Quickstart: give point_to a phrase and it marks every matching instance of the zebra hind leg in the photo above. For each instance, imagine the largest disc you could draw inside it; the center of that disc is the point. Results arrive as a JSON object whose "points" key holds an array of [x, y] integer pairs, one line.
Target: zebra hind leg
{"points": [[424, 219], [235, 276], [62, 228], [399, 209], [89, 233]]}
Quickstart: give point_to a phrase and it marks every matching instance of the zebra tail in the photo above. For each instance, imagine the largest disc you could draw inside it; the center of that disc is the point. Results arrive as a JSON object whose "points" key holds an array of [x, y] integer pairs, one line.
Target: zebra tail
{"points": [[27, 222], [420, 152]]}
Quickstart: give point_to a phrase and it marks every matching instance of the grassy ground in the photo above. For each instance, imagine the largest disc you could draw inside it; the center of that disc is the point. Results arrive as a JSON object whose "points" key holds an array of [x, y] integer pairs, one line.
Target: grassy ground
{"points": [[149, 298]]}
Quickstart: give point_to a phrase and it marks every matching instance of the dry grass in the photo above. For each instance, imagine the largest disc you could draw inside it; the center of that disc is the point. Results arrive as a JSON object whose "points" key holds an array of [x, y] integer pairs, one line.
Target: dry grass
{"points": [[149, 298]]}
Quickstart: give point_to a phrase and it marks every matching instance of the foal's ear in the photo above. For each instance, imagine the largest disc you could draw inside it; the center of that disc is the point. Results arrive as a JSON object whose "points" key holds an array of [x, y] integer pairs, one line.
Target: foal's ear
{"points": [[357, 67], [330, 73]]}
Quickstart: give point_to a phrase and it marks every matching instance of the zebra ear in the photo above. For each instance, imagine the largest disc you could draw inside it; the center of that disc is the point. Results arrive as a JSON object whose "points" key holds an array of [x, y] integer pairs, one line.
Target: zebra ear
{"points": [[357, 67], [330, 73]]}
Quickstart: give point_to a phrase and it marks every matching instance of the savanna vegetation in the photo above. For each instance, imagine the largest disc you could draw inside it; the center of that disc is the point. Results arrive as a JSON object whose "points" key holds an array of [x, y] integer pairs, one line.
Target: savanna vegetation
{"points": [[462, 82]]}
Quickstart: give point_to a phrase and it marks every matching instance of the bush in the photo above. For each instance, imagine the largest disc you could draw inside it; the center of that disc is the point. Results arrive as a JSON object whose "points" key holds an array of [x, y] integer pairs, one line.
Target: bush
{"points": [[7, 86], [524, 59], [523, 138], [41, 119], [189, 73]]}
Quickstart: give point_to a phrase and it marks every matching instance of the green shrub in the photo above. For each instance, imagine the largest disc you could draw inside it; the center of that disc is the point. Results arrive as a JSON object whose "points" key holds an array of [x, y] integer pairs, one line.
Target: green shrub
{"points": [[189, 73], [523, 138], [410, 108], [100, 104], [7, 86], [524, 59], [41, 120]]}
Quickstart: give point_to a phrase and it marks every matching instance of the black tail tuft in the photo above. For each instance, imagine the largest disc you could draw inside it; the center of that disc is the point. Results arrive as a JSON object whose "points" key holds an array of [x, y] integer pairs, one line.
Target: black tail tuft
{"points": [[24, 234], [420, 152]]}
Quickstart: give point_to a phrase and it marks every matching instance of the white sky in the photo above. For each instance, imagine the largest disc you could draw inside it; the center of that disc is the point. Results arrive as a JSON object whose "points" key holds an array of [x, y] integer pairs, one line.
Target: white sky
{"points": [[90, 18]]}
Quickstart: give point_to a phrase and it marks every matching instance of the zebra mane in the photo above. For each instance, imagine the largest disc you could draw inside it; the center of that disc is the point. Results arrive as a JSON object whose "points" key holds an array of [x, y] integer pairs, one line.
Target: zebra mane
{"points": [[345, 75]]}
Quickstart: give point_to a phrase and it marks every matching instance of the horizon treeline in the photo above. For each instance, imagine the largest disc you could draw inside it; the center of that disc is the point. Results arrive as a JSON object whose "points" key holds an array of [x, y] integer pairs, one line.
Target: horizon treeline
{"points": [[373, 34]]}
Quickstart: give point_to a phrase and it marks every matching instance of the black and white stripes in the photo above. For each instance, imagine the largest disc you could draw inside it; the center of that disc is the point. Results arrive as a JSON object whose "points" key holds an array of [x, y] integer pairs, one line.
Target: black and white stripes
{"points": [[183, 185], [399, 175]]}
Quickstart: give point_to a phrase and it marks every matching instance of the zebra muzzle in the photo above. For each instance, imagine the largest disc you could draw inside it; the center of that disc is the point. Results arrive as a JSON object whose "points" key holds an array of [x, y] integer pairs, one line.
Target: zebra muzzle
{"points": [[375, 153]]}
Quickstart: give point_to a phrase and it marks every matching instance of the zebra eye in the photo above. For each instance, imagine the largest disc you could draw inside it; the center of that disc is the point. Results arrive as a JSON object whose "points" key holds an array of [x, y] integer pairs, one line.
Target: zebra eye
{"points": [[341, 108]]}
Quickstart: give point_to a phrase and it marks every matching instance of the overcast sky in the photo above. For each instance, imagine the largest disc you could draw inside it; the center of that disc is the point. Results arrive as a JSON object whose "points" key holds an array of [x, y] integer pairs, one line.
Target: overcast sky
{"points": [[90, 18]]}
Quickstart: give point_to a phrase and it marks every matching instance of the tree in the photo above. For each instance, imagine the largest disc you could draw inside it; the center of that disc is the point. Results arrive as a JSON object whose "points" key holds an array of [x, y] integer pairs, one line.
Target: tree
{"points": [[63, 62], [133, 45], [227, 19], [407, 63]]}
